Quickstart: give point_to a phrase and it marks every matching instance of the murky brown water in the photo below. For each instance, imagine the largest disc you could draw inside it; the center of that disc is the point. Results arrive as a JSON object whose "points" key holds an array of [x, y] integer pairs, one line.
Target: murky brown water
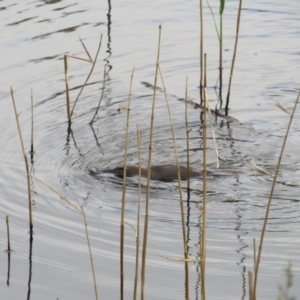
{"points": [[36, 35]]}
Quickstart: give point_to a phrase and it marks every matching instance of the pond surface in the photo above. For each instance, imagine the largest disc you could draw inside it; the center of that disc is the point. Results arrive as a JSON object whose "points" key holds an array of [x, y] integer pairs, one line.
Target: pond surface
{"points": [[35, 37]]}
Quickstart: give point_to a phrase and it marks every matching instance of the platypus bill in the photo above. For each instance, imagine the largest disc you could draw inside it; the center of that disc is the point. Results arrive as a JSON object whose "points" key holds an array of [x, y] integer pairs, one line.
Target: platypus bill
{"points": [[163, 172]]}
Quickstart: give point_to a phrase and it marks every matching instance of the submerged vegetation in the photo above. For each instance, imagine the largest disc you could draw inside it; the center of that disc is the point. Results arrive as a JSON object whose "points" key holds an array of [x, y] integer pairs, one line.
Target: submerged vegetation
{"points": [[205, 124]]}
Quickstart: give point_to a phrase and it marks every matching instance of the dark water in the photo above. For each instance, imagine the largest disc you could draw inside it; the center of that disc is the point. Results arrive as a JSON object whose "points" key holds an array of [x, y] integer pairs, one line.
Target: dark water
{"points": [[36, 35]]}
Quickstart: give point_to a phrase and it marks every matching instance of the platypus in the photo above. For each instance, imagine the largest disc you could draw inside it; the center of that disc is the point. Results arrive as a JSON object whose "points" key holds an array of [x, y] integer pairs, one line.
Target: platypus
{"points": [[164, 172]]}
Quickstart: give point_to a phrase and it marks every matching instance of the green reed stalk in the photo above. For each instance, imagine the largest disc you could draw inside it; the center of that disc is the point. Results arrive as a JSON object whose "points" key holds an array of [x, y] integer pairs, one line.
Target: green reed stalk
{"points": [[234, 54], [26, 165], [220, 38], [137, 249], [185, 246], [122, 233], [144, 254], [271, 196]]}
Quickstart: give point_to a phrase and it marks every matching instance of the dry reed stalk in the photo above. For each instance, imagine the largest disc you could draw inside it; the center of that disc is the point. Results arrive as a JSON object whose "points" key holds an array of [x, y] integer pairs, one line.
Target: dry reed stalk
{"points": [[185, 247], [271, 196], [8, 236], [89, 243], [204, 70], [210, 117], [201, 52], [260, 169], [67, 88], [234, 54], [31, 148], [187, 141], [212, 130], [78, 57], [57, 193], [145, 240], [124, 195], [86, 50], [250, 284], [254, 255], [203, 242], [88, 77], [26, 164], [137, 249], [101, 97], [279, 105]]}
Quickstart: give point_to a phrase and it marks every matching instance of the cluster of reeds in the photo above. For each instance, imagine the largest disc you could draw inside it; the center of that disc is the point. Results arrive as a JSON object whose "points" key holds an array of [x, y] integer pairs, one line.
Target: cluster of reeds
{"points": [[30, 177], [219, 31], [253, 276]]}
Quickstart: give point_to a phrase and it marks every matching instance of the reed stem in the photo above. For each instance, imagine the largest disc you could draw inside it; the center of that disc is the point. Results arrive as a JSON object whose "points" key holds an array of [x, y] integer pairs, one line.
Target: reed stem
{"points": [[234, 55], [187, 141], [271, 196], [203, 242], [136, 277], [31, 148], [124, 194], [201, 52], [26, 164], [184, 234], [144, 253], [101, 97], [87, 79]]}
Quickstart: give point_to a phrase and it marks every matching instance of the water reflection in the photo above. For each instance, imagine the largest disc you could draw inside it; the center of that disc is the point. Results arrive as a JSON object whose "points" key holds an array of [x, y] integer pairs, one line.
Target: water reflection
{"points": [[109, 51]]}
